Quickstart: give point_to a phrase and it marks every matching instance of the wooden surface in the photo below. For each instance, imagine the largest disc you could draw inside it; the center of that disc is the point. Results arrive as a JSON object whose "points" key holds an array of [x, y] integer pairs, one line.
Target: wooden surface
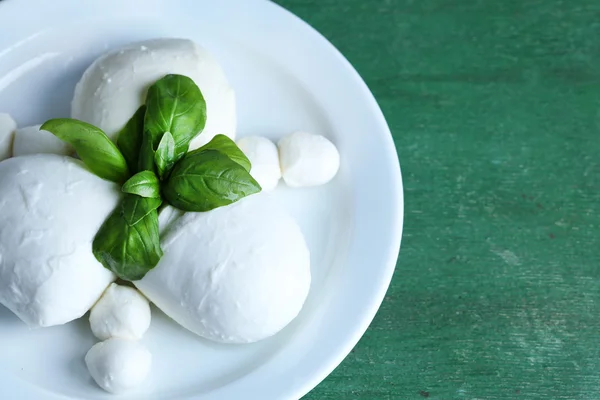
{"points": [[495, 110]]}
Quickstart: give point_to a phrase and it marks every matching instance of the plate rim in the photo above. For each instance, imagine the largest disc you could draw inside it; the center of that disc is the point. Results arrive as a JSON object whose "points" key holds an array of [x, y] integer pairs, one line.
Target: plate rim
{"points": [[395, 252]]}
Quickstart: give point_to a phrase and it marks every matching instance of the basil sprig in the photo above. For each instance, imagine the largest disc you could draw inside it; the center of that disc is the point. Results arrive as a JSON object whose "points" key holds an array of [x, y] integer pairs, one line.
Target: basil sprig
{"points": [[174, 104], [130, 137], [152, 162], [164, 157], [144, 184], [92, 145], [207, 179], [224, 145], [128, 242]]}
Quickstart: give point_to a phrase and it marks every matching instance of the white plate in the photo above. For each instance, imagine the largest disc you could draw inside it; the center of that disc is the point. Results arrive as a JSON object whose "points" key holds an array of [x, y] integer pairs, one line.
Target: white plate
{"points": [[287, 77]]}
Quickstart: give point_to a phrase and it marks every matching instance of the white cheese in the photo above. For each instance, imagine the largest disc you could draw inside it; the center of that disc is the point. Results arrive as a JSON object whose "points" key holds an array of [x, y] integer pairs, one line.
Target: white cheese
{"points": [[121, 312], [115, 85], [118, 365], [264, 158], [7, 131], [32, 140], [237, 274], [50, 210], [167, 217], [307, 159]]}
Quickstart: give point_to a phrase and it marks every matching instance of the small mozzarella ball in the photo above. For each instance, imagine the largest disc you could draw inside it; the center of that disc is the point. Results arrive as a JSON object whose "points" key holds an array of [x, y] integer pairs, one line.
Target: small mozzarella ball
{"points": [[118, 365], [121, 312], [7, 133], [264, 158], [307, 159], [32, 140]]}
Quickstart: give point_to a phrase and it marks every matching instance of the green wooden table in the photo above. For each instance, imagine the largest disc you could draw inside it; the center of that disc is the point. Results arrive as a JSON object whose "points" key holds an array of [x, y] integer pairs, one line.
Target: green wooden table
{"points": [[495, 110]]}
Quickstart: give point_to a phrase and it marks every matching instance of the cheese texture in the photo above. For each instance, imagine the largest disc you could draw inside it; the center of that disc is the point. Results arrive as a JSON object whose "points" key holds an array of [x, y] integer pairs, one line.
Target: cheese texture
{"points": [[32, 140], [121, 312], [237, 274], [7, 132], [307, 159], [115, 85], [264, 158], [118, 365], [50, 210]]}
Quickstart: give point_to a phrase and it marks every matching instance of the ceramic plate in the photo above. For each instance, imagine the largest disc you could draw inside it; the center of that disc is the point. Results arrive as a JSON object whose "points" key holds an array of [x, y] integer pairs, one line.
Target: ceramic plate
{"points": [[287, 77]]}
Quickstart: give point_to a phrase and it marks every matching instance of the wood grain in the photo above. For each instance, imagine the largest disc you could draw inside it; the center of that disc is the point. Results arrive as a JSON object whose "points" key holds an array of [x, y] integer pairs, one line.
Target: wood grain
{"points": [[495, 110]]}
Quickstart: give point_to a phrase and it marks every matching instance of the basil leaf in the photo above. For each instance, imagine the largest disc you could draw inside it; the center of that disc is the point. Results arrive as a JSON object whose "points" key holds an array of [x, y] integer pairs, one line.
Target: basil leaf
{"points": [[136, 208], [129, 140], [164, 158], [94, 148], [225, 145], [144, 184], [147, 154], [205, 180], [174, 104], [129, 250]]}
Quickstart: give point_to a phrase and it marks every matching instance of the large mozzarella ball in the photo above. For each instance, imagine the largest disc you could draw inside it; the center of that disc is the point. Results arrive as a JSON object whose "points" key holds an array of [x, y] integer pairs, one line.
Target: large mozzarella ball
{"points": [[167, 217], [118, 365], [307, 159], [237, 274], [264, 158], [32, 140], [50, 210], [115, 85], [7, 131], [121, 312]]}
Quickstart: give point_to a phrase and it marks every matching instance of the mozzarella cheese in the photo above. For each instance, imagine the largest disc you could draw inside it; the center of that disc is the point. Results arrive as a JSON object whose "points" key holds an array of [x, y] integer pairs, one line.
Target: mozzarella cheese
{"points": [[121, 312], [32, 140], [237, 274], [118, 365], [50, 210], [307, 159], [264, 158], [7, 131], [167, 217], [115, 85]]}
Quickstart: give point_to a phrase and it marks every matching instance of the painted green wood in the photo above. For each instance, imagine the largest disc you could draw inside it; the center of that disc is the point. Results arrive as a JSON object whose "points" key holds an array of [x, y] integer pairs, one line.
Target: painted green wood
{"points": [[495, 110]]}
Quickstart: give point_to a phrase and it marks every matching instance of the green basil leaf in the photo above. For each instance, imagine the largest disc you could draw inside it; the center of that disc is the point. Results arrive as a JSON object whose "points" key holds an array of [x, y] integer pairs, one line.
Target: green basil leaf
{"points": [[129, 140], [136, 208], [94, 148], [225, 145], [174, 104], [129, 250], [147, 154], [144, 184], [164, 158], [205, 180]]}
